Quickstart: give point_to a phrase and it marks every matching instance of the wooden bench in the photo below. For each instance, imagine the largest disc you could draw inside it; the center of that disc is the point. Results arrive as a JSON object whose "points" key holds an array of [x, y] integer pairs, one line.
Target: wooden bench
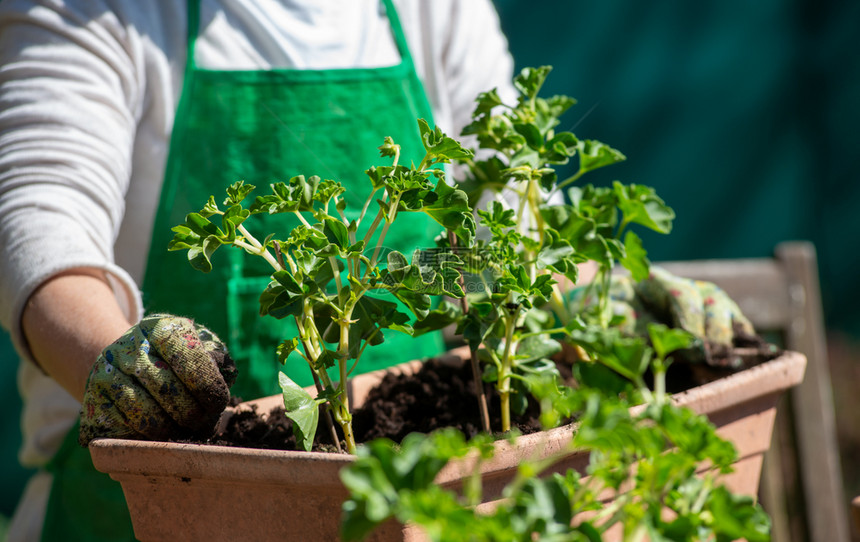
{"points": [[802, 474]]}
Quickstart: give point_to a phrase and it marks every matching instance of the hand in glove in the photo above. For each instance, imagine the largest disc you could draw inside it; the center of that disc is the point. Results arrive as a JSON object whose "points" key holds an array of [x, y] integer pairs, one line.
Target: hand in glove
{"points": [[701, 308], [166, 377]]}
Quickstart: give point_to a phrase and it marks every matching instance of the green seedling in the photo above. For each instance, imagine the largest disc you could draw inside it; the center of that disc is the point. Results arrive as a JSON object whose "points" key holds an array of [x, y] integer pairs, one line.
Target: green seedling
{"points": [[328, 272], [534, 241], [646, 458]]}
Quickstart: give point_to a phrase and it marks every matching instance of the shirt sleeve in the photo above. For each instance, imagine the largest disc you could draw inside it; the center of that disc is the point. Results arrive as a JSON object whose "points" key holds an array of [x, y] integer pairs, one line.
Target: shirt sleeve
{"points": [[69, 101]]}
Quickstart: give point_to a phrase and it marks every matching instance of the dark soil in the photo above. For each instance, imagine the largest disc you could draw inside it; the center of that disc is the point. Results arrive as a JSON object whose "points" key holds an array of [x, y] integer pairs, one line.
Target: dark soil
{"points": [[248, 429], [440, 395], [436, 396], [713, 362]]}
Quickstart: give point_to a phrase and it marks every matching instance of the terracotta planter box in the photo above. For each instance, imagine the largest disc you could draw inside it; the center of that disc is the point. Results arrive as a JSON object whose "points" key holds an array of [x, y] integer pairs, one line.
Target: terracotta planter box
{"points": [[211, 493]]}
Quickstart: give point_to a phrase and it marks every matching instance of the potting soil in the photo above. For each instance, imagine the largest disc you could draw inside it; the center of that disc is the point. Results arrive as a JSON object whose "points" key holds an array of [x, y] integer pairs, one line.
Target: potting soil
{"points": [[440, 395]]}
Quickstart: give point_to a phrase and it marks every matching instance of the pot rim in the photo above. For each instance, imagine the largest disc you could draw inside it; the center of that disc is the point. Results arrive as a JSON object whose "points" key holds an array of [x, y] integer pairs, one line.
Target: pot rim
{"points": [[205, 461]]}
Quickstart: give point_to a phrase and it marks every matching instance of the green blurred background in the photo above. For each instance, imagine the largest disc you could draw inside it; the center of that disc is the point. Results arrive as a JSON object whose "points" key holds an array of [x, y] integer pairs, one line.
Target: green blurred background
{"points": [[13, 476], [743, 115]]}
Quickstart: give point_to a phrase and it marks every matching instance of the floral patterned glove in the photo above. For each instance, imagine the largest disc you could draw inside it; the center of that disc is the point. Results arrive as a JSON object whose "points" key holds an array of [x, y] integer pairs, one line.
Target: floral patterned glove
{"points": [[702, 308], [166, 377]]}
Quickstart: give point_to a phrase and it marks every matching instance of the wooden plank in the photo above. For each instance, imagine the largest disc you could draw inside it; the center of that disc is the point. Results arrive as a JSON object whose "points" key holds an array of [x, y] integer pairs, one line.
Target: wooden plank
{"points": [[772, 488], [812, 400], [783, 294], [855, 512]]}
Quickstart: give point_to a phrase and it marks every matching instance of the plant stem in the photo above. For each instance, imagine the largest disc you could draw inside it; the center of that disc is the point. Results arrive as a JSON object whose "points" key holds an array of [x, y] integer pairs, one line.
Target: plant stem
{"points": [[366, 205], [567, 181], [392, 214], [313, 352], [504, 384], [604, 276], [305, 222], [534, 204], [327, 415], [621, 227], [521, 207], [660, 383], [336, 272], [254, 246], [345, 418], [557, 302], [372, 229], [542, 332], [473, 358], [264, 253]]}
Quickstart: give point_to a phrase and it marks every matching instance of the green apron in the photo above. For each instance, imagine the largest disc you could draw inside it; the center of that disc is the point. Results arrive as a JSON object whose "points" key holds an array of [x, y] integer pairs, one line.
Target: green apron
{"points": [[261, 127]]}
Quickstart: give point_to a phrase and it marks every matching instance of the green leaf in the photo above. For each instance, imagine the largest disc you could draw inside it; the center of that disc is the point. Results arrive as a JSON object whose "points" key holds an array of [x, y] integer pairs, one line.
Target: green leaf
{"points": [[210, 208], [666, 340], [586, 235], [560, 148], [440, 146], [478, 322], [286, 348], [451, 210], [297, 195], [282, 297], [693, 435], [558, 255], [327, 190], [446, 314], [389, 149], [237, 192], [384, 476], [555, 106], [200, 256], [537, 347], [272, 204], [530, 80], [635, 258], [628, 356], [594, 154], [414, 283], [737, 517], [542, 506], [497, 217], [233, 217], [417, 302], [336, 233], [486, 102], [532, 135], [201, 238], [302, 409], [640, 205], [201, 225]]}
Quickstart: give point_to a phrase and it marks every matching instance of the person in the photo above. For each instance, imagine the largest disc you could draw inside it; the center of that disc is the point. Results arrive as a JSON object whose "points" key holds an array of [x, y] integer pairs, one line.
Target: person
{"points": [[118, 118]]}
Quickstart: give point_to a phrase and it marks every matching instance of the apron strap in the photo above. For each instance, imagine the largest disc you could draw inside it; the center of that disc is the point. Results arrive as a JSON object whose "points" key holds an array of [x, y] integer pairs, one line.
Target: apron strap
{"points": [[192, 8], [397, 32]]}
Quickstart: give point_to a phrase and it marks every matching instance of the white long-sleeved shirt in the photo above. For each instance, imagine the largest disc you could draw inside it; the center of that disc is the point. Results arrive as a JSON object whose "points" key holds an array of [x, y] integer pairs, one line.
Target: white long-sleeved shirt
{"points": [[88, 91]]}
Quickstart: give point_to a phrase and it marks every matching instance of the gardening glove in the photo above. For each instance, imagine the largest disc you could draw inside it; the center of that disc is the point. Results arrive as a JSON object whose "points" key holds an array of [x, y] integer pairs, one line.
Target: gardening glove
{"points": [[701, 308], [167, 377]]}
